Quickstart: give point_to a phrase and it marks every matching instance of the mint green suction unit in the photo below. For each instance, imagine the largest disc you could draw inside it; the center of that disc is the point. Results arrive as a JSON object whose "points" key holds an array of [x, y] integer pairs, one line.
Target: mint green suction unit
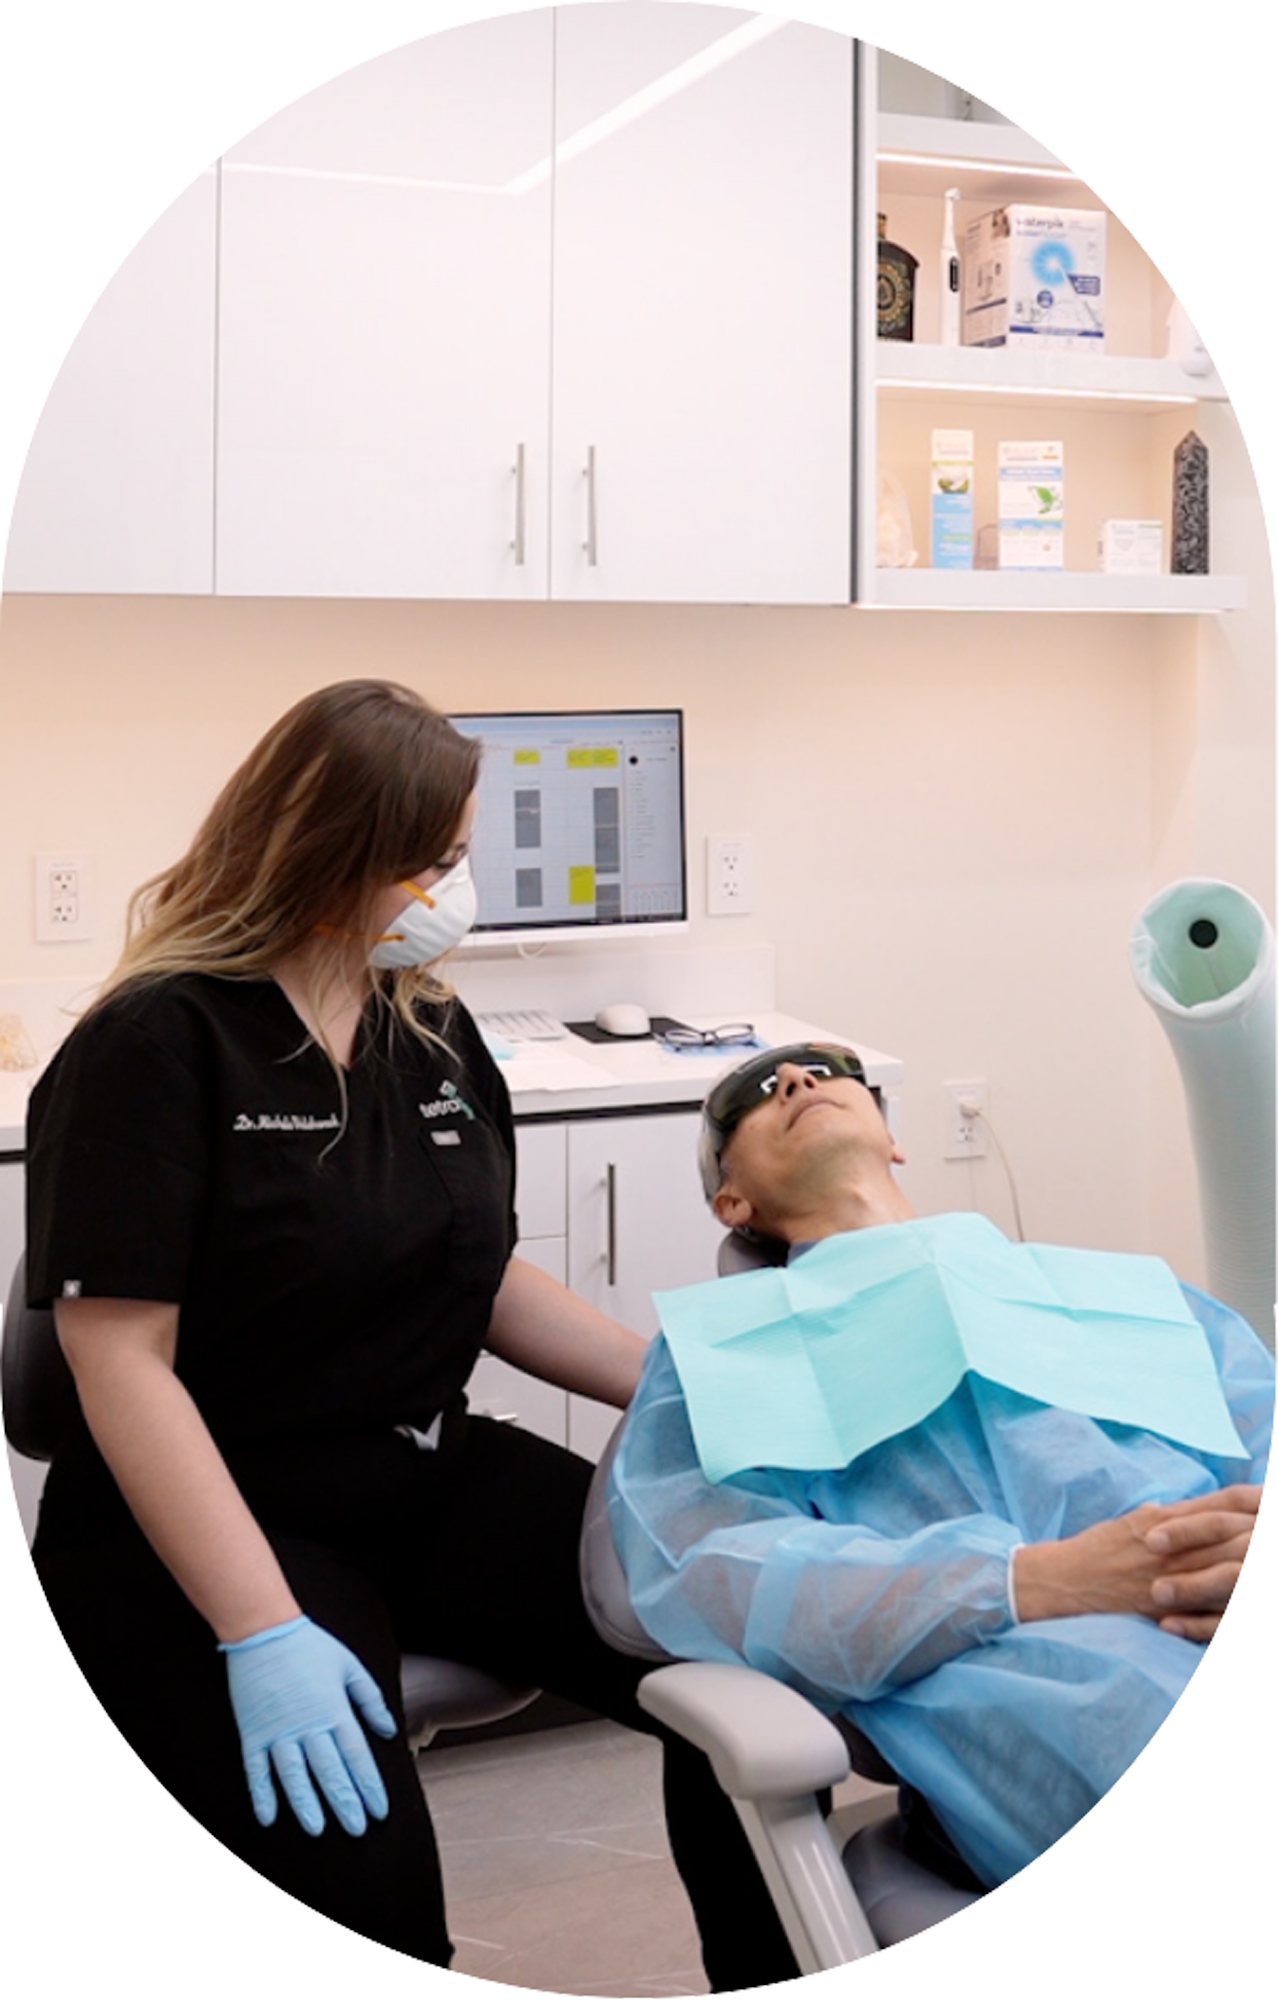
{"points": [[1203, 956]]}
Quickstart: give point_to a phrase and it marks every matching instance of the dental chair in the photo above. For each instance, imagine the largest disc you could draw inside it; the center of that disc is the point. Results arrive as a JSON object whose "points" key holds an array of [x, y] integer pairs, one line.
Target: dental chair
{"points": [[844, 1887], [38, 1393]]}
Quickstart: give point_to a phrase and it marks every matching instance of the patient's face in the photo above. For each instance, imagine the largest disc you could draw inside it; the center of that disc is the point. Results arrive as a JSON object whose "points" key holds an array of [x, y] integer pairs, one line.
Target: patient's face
{"points": [[801, 1140]]}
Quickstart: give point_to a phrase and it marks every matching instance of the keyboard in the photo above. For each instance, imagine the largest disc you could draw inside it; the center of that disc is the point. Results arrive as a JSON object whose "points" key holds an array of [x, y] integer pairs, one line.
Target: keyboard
{"points": [[521, 1027]]}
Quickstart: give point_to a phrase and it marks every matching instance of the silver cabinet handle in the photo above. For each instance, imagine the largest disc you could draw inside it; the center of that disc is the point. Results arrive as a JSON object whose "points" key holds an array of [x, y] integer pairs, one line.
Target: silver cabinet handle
{"points": [[591, 543], [612, 1223], [520, 541]]}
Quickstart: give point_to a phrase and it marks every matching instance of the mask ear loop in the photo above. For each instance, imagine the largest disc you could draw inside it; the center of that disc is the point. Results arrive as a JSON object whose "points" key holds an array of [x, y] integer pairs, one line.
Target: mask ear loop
{"points": [[397, 937]]}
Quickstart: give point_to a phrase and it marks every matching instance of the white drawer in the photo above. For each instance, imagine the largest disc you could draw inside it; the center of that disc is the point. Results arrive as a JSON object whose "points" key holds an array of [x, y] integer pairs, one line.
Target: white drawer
{"points": [[541, 1189]]}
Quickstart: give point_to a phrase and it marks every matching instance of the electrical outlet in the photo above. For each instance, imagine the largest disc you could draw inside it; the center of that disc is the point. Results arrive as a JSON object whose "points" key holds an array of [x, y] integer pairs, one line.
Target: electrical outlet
{"points": [[63, 898], [965, 1137], [727, 875]]}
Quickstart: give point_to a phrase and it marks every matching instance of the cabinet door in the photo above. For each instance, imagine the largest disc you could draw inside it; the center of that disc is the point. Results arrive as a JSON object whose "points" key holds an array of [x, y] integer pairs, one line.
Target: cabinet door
{"points": [[27, 1475], [703, 324], [12, 1222], [637, 1223], [385, 326], [117, 490], [496, 1389]]}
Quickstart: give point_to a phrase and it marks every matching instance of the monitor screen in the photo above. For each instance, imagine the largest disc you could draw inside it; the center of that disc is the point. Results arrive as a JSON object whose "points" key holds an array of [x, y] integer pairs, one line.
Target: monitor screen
{"points": [[580, 826]]}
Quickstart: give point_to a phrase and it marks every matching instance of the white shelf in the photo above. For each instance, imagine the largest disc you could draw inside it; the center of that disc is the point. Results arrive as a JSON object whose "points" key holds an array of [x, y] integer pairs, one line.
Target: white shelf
{"points": [[1079, 380], [990, 162], [1060, 590]]}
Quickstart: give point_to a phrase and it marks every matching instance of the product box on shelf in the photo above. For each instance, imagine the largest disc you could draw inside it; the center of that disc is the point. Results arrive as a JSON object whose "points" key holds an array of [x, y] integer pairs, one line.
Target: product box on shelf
{"points": [[953, 511], [1034, 274], [1131, 548], [1031, 505]]}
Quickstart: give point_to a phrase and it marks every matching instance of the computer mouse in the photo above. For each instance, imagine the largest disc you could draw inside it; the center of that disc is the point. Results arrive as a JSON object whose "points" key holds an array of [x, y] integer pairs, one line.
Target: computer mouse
{"points": [[623, 1018]]}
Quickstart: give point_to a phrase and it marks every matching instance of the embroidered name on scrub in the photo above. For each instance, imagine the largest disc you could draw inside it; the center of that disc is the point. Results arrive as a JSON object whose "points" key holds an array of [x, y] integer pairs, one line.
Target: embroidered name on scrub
{"points": [[285, 1121]]}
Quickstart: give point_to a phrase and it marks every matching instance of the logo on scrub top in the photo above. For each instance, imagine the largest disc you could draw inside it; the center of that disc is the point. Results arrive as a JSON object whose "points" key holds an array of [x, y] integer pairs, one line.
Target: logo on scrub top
{"points": [[449, 1104]]}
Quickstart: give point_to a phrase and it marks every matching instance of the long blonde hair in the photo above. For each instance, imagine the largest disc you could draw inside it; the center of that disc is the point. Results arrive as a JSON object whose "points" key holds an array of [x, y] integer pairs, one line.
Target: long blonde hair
{"points": [[358, 786]]}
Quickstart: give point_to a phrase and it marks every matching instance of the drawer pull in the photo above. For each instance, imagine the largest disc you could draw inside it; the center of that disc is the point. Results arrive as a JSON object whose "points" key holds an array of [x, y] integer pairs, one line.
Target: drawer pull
{"points": [[520, 542], [592, 511], [612, 1223]]}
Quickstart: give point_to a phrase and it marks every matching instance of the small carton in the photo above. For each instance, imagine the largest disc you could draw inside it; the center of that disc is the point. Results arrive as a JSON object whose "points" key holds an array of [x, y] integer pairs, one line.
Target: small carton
{"points": [[1131, 548], [1031, 505], [1034, 275], [953, 532]]}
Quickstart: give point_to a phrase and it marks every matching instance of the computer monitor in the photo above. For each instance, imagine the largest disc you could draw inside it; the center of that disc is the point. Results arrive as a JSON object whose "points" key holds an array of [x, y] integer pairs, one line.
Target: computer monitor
{"points": [[579, 833]]}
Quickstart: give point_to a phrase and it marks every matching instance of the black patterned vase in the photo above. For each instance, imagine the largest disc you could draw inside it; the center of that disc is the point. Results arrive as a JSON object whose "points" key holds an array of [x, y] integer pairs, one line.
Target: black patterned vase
{"points": [[1191, 513]]}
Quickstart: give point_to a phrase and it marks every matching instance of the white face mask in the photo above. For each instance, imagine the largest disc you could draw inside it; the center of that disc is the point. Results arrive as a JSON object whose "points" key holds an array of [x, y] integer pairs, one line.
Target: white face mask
{"points": [[431, 924]]}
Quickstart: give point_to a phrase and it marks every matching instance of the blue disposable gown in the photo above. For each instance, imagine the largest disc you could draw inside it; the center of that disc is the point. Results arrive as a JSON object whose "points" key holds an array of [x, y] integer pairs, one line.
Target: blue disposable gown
{"points": [[882, 1589]]}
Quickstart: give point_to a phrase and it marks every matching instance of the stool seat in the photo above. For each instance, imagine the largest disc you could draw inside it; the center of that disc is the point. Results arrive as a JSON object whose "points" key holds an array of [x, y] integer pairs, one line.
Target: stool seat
{"points": [[444, 1694]]}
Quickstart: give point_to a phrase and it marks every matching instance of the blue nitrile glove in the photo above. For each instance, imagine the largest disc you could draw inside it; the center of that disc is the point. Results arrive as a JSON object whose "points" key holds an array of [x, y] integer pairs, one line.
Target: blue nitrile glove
{"points": [[292, 1688]]}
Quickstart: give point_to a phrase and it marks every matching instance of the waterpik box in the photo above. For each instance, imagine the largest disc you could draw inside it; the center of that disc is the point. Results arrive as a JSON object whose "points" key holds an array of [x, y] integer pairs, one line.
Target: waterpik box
{"points": [[1031, 504], [1034, 275]]}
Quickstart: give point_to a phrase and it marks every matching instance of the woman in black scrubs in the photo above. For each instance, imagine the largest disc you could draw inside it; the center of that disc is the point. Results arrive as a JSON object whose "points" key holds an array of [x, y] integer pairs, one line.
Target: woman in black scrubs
{"points": [[271, 1201]]}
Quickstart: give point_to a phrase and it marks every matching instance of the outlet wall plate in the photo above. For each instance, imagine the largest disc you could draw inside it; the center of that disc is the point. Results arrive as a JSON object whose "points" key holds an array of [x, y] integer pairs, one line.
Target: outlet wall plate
{"points": [[965, 1137], [727, 875], [63, 897]]}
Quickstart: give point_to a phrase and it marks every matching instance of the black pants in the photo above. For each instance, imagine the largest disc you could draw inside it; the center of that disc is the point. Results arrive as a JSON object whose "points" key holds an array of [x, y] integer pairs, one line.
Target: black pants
{"points": [[469, 1553]]}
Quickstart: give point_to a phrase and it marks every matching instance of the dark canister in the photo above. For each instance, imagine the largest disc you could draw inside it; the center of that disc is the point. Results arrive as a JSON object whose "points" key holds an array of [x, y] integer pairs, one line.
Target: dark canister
{"points": [[896, 288]]}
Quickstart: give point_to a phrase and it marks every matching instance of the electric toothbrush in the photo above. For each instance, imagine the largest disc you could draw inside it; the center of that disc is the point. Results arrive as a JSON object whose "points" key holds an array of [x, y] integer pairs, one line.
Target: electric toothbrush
{"points": [[951, 277]]}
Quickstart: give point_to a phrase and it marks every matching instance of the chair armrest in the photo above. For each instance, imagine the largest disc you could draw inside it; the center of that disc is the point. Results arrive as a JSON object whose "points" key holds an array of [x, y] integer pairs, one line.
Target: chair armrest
{"points": [[765, 1740]]}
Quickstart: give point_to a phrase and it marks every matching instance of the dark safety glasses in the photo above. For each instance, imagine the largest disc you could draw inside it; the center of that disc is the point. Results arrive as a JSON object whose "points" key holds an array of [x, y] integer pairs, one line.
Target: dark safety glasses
{"points": [[754, 1081]]}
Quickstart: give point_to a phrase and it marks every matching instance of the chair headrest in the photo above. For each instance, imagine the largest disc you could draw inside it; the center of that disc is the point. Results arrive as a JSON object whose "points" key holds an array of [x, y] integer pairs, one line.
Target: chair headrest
{"points": [[36, 1384], [749, 1253]]}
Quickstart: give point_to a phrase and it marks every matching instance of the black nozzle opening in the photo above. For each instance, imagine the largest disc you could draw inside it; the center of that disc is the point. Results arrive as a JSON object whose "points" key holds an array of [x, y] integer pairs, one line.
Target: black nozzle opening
{"points": [[1203, 933]]}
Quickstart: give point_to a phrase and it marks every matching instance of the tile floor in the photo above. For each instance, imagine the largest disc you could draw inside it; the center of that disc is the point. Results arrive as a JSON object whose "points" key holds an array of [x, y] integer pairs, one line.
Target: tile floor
{"points": [[556, 1863]]}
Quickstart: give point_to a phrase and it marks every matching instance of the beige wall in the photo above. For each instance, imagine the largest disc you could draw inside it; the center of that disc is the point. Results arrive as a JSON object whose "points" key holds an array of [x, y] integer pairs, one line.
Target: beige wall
{"points": [[954, 821]]}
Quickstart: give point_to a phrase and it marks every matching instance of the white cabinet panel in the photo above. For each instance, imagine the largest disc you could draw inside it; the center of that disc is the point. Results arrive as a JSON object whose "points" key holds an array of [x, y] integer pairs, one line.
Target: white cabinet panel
{"points": [[498, 1390], [28, 1476], [541, 1186], [637, 1223], [385, 328], [117, 490], [703, 310], [12, 1220]]}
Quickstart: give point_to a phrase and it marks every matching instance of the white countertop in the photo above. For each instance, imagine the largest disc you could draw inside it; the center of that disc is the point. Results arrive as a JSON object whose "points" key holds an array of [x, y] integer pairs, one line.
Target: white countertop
{"points": [[566, 1078]]}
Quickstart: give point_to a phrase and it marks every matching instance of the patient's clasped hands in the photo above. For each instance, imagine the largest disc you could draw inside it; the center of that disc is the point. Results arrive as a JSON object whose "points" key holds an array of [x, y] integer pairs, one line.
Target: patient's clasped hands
{"points": [[1176, 1564]]}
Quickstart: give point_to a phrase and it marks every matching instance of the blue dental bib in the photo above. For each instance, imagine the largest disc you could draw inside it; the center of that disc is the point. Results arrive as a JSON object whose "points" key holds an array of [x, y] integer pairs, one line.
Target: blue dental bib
{"points": [[867, 1333]]}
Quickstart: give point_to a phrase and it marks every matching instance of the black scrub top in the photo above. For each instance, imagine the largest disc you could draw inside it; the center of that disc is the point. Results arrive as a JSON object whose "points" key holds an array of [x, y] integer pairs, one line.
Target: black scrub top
{"points": [[335, 1278]]}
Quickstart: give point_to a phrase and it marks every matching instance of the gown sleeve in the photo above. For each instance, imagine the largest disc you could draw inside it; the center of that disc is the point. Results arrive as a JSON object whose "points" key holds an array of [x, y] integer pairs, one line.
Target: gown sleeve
{"points": [[1246, 1370], [745, 1571]]}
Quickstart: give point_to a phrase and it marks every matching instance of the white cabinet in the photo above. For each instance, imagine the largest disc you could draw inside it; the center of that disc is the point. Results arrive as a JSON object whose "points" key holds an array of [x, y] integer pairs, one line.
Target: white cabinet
{"points": [[703, 311], [496, 1389], [12, 1220], [117, 490], [28, 1476], [637, 1223], [635, 216], [613, 1208], [385, 326]]}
